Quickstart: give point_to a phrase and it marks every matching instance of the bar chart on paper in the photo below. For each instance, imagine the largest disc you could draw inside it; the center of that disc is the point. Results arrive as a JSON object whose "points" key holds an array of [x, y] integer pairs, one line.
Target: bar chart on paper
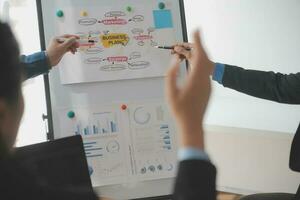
{"points": [[136, 141], [93, 149], [102, 123]]}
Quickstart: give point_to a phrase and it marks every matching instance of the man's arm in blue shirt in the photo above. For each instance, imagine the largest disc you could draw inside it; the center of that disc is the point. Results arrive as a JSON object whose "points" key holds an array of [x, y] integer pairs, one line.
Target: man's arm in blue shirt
{"points": [[35, 64]]}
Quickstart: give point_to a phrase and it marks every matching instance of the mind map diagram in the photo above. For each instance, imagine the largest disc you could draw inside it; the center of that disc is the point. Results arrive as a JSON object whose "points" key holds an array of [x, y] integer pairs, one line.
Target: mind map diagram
{"points": [[93, 43], [116, 44]]}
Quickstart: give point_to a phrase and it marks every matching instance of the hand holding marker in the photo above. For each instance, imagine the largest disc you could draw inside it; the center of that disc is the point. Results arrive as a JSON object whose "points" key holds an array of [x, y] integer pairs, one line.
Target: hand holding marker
{"points": [[184, 48], [62, 40], [172, 47], [79, 42], [57, 49]]}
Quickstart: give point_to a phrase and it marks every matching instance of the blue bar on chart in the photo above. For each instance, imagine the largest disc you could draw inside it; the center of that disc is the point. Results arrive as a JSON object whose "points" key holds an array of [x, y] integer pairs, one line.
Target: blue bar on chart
{"points": [[164, 126], [86, 130], [105, 123], [77, 130], [103, 128], [95, 130], [101, 124], [166, 137], [92, 149], [113, 127], [167, 147], [167, 141], [164, 131]]}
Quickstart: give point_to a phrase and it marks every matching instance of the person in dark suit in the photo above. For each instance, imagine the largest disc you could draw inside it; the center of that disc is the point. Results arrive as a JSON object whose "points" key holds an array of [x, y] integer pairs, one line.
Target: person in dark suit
{"points": [[196, 174], [278, 87]]}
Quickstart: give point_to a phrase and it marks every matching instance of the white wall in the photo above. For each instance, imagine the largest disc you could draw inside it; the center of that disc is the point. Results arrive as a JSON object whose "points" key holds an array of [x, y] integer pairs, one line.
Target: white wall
{"points": [[262, 35], [251, 162], [256, 34]]}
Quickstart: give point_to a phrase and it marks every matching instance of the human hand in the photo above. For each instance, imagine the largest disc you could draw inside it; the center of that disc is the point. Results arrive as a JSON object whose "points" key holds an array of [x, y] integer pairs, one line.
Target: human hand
{"points": [[181, 51], [188, 103], [57, 49]]}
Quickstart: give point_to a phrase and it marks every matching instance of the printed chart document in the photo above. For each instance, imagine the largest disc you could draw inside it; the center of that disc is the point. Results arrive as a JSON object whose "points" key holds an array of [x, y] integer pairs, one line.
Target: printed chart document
{"points": [[137, 143], [116, 43]]}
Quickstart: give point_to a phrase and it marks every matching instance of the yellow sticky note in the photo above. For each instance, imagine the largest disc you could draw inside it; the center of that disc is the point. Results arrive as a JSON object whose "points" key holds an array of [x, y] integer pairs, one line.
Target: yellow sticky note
{"points": [[83, 13]]}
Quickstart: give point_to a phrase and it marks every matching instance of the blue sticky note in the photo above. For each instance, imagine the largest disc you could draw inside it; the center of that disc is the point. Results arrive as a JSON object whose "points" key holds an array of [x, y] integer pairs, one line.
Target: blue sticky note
{"points": [[162, 19]]}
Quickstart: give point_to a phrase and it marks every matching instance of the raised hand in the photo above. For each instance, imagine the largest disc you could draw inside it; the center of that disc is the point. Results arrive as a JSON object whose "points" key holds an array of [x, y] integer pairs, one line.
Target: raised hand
{"points": [[188, 102]]}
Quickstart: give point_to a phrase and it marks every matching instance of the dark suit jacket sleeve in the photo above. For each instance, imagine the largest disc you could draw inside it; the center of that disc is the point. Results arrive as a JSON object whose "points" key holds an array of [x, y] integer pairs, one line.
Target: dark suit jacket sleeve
{"points": [[277, 87], [35, 64], [196, 179]]}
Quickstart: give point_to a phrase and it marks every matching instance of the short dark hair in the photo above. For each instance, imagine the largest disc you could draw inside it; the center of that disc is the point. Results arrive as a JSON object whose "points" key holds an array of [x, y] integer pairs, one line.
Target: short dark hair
{"points": [[10, 70]]}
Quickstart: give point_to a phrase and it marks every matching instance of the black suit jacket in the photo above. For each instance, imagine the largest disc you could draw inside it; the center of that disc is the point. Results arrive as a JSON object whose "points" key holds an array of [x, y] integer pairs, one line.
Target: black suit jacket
{"points": [[196, 179], [277, 87], [272, 86]]}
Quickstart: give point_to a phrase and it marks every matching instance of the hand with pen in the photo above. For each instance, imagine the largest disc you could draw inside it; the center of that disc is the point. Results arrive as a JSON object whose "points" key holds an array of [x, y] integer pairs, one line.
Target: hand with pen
{"points": [[59, 46], [188, 102], [185, 50]]}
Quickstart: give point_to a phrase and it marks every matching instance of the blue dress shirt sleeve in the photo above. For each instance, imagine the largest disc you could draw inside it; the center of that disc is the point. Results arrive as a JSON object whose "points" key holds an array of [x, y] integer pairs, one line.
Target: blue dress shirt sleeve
{"points": [[219, 72], [34, 57], [35, 64], [191, 153]]}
